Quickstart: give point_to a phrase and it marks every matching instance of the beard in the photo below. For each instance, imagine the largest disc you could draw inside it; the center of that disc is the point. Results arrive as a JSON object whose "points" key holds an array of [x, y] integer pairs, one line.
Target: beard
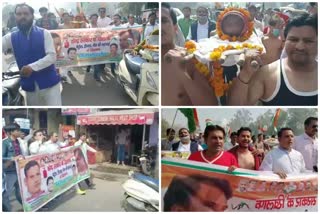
{"points": [[24, 27]]}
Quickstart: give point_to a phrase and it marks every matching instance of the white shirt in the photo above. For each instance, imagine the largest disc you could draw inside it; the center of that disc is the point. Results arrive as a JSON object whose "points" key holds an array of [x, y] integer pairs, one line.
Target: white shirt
{"points": [[40, 64], [85, 148], [258, 25], [103, 22], [202, 31], [308, 147], [281, 160], [186, 147], [37, 147], [24, 147], [51, 147], [149, 29], [129, 25]]}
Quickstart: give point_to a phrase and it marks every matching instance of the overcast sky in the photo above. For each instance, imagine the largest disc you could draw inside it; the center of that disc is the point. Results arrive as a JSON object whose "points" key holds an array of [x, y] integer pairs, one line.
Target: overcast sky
{"points": [[215, 114]]}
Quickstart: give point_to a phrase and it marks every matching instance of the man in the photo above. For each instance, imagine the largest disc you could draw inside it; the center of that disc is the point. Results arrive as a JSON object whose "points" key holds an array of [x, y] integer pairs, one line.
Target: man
{"points": [[116, 20], [72, 54], [214, 138], [151, 25], [131, 22], [34, 52], [197, 193], [67, 24], [284, 160], [185, 144], [185, 22], [203, 27], [166, 145], [289, 81], [121, 142], [52, 144], [113, 50], [85, 147], [45, 22], [253, 12], [272, 41], [10, 152], [243, 152], [103, 20], [307, 143], [50, 184], [93, 21], [37, 146], [32, 180], [174, 69], [233, 141]]}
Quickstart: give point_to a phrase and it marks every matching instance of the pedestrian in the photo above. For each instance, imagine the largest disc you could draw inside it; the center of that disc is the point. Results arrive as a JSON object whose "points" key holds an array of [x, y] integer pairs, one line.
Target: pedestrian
{"points": [[186, 144], [45, 21], [151, 25], [121, 142], [34, 52], [166, 144]]}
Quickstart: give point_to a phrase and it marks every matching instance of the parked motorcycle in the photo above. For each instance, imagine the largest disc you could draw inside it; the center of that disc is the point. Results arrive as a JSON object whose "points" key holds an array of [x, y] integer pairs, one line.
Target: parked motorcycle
{"points": [[138, 74], [11, 95], [141, 193]]}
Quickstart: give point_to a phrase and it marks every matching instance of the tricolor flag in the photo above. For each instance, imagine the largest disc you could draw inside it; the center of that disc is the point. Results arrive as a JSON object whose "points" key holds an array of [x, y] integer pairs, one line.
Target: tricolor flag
{"points": [[192, 116], [275, 119]]}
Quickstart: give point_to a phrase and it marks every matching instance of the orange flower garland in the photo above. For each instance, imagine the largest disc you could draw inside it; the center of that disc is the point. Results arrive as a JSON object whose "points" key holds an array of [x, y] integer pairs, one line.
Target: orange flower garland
{"points": [[241, 38], [151, 47]]}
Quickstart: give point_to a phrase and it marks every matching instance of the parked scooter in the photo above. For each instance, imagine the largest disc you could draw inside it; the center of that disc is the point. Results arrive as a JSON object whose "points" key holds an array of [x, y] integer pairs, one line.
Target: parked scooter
{"points": [[11, 95], [139, 74], [141, 193]]}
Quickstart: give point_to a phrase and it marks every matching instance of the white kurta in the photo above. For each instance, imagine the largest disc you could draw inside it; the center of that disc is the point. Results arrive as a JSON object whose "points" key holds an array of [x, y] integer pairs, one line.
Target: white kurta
{"points": [[308, 147]]}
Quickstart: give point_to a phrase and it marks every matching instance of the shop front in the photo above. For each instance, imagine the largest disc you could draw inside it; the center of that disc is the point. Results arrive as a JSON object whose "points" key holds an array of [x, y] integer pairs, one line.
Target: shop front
{"points": [[103, 128]]}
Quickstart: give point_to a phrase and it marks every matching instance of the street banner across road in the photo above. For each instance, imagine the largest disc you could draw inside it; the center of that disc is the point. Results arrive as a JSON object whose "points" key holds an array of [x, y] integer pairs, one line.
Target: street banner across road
{"points": [[44, 177], [92, 46], [252, 191]]}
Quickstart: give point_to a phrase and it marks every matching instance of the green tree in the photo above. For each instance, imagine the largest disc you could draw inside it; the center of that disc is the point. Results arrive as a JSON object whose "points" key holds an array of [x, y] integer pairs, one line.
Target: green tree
{"points": [[296, 118], [164, 126], [242, 117]]}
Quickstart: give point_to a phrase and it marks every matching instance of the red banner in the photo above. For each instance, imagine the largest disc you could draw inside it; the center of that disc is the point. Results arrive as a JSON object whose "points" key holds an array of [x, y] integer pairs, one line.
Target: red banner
{"points": [[121, 119]]}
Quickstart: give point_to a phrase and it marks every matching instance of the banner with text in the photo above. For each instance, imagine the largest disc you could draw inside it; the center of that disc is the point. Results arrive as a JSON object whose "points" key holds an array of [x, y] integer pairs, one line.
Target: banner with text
{"points": [[252, 191], [44, 177], [93, 46]]}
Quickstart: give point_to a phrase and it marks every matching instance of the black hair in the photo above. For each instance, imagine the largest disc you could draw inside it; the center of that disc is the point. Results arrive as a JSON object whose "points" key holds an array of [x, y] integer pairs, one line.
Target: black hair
{"points": [[48, 179], [117, 15], [12, 127], [308, 121], [260, 135], [169, 130], [151, 14], [43, 9], [282, 130], [244, 129], [171, 11], [92, 15], [36, 132], [188, 8], [71, 49], [30, 164], [182, 187], [52, 133], [114, 44], [65, 14], [102, 8], [302, 20], [55, 35], [233, 134], [212, 128], [24, 5], [180, 130]]}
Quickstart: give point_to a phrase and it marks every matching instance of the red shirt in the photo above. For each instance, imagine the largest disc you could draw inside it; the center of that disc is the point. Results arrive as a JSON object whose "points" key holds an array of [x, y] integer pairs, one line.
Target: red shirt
{"points": [[223, 158]]}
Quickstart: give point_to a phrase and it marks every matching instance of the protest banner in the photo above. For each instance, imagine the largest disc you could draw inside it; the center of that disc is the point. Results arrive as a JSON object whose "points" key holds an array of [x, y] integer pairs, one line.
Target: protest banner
{"points": [[92, 46], [175, 154], [252, 191], [43, 177]]}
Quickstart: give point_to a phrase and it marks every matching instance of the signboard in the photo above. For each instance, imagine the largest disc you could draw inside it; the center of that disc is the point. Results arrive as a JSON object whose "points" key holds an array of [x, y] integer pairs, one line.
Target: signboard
{"points": [[75, 111], [23, 123], [123, 119], [249, 190], [44, 177]]}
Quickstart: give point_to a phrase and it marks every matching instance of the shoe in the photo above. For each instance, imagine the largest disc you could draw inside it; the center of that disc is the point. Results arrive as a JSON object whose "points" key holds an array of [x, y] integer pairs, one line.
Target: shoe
{"points": [[80, 192]]}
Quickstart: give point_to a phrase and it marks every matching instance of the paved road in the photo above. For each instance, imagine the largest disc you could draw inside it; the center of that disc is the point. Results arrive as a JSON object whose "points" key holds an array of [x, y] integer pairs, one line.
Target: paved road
{"points": [[106, 196], [85, 91]]}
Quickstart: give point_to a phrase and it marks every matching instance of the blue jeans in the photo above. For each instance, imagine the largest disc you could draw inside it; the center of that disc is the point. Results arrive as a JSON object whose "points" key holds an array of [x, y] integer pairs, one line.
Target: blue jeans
{"points": [[12, 182], [97, 69], [121, 152]]}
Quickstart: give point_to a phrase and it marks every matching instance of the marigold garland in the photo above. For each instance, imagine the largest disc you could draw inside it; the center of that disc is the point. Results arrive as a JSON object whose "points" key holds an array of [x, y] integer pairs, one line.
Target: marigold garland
{"points": [[241, 38], [151, 47], [217, 81]]}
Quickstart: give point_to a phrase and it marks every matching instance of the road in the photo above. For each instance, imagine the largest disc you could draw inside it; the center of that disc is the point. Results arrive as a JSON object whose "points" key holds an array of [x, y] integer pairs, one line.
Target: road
{"points": [[106, 196], [84, 90]]}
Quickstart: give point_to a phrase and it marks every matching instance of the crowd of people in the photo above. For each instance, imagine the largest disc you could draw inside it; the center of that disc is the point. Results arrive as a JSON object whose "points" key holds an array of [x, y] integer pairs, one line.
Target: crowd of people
{"points": [[40, 78], [16, 145], [289, 37], [290, 155]]}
